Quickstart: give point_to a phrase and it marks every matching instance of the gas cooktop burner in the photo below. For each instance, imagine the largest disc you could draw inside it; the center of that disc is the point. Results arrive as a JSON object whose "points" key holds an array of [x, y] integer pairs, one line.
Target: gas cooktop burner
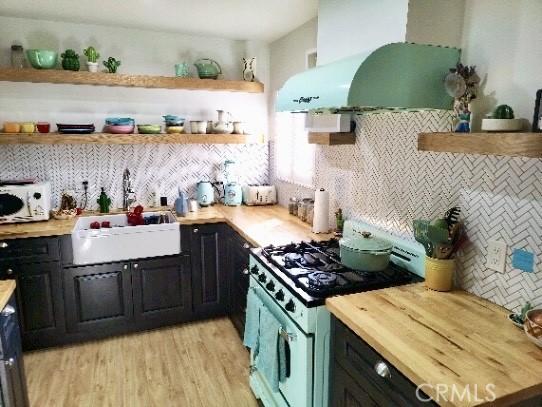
{"points": [[316, 269]]}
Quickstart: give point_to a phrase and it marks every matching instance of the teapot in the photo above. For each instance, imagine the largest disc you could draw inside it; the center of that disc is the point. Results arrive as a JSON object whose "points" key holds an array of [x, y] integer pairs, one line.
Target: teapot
{"points": [[208, 68], [224, 125]]}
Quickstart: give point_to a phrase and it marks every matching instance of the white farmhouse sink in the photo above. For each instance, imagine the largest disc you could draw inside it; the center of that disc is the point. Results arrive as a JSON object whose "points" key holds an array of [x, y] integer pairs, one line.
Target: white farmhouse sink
{"points": [[123, 242]]}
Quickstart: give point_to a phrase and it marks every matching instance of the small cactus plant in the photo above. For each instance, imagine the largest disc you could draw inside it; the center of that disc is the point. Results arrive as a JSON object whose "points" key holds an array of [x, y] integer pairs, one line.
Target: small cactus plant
{"points": [[91, 54], [70, 60], [111, 64]]}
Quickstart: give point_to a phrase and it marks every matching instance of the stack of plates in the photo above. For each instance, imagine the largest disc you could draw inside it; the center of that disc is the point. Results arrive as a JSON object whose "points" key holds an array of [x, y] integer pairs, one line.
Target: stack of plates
{"points": [[75, 128]]}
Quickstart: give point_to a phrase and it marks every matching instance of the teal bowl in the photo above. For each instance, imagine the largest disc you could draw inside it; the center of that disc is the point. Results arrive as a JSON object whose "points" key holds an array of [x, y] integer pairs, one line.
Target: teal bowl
{"points": [[42, 58]]}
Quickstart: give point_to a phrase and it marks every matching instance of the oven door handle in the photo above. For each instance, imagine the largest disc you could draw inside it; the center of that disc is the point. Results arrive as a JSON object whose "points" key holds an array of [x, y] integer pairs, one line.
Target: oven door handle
{"points": [[288, 337]]}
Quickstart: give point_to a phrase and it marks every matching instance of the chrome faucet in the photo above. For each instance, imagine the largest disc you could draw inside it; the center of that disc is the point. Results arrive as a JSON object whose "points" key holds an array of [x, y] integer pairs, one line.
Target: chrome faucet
{"points": [[128, 193]]}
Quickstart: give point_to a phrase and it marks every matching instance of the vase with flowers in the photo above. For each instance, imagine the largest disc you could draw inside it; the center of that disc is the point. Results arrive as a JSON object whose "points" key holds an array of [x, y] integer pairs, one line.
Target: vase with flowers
{"points": [[462, 84]]}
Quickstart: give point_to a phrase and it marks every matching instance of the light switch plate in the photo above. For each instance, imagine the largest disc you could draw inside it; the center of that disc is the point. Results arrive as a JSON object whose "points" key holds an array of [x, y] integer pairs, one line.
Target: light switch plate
{"points": [[496, 255]]}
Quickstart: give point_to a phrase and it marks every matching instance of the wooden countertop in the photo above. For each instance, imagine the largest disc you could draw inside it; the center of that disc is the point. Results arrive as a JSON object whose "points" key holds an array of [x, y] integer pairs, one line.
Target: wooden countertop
{"points": [[446, 338], [260, 225], [7, 287]]}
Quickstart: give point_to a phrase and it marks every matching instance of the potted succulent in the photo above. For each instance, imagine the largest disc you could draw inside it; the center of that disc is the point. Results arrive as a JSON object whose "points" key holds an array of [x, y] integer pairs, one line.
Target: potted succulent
{"points": [[442, 238], [111, 64], [92, 58], [70, 60]]}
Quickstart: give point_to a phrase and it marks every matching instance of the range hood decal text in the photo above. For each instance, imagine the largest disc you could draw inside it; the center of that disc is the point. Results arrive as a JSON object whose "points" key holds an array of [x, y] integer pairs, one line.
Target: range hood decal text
{"points": [[306, 99]]}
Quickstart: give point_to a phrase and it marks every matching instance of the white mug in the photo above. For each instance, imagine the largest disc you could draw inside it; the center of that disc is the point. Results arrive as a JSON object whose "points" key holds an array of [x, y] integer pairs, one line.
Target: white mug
{"points": [[193, 205]]}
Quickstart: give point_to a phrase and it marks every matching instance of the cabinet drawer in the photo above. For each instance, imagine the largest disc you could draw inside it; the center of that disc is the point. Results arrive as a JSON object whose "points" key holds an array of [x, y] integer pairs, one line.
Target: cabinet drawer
{"points": [[361, 361], [30, 250]]}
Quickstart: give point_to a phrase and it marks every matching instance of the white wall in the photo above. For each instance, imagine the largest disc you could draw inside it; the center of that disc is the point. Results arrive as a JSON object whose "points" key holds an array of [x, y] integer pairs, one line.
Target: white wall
{"points": [[141, 52], [502, 38], [348, 27]]}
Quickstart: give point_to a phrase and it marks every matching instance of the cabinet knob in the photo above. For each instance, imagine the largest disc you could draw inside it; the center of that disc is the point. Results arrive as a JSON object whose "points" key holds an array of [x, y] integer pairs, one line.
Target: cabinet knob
{"points": [[125, 267], [196, 230], [136, 265], [382, 370], [10, 362], [246, 246], [8, 310], [245, 272], [3, 245], [9, 271]]}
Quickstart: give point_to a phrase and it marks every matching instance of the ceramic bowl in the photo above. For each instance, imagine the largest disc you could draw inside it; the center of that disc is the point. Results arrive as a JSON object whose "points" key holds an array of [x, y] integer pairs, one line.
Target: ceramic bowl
{"points": [[174, 129], [42, 58], [501, 125], [198, 127], [149, 128], [533, 326], [120, 129], [12, 127], [118, 121]]}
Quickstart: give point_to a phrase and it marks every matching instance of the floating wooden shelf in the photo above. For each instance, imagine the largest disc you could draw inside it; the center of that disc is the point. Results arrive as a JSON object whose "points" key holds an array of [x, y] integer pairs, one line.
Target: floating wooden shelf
{"points": [[332, 139], [136, 81], [512, 144], [107, 138]]}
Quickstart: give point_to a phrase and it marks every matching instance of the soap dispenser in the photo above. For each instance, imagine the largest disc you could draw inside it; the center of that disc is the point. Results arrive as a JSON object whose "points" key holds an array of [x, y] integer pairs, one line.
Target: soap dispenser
{"points": [[181, 204]]}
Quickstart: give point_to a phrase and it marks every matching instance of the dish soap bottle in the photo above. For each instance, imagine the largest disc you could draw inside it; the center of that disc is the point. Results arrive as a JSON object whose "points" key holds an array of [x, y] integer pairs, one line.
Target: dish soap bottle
{"points": [[104, 201]]}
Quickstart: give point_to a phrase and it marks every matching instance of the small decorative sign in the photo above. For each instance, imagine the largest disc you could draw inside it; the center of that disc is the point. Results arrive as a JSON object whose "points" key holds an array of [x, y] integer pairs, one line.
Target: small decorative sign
{"points": [[523, 260]]}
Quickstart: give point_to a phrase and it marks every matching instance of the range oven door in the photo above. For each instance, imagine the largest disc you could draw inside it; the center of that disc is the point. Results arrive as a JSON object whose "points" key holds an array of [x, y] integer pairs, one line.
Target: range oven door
{"points": [[297, 389]]}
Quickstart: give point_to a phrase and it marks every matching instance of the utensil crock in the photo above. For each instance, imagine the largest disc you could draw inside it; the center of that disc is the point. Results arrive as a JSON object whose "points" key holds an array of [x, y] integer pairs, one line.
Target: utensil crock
{"points": [[439, 274]]}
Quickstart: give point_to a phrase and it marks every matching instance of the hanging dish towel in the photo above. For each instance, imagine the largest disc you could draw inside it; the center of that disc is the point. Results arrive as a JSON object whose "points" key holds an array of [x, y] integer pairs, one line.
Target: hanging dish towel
{"points": [[267, 362], [284, 358], [252, 323]]}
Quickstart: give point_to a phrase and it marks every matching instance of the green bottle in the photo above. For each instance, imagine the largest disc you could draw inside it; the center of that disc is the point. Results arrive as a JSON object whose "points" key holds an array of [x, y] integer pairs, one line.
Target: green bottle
{"points": [[104, 201]]}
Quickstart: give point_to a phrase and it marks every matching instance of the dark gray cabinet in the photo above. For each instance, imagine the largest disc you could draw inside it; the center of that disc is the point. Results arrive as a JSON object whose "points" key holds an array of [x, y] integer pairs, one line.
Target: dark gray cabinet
{"points": [[161, 291], [98, 298], [209, 273], [238, 258]]}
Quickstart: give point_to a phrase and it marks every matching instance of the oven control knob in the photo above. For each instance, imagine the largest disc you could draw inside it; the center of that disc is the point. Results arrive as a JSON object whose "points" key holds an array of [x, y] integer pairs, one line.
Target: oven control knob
{"points": [[290, 306], [262, 277], [280, 295], [37, 195], [270, 286], [254, 270]]}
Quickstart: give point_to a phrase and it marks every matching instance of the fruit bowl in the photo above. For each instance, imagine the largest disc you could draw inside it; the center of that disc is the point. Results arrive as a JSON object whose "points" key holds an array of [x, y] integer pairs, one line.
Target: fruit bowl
{"points": [[533, 326], [42, 58]]}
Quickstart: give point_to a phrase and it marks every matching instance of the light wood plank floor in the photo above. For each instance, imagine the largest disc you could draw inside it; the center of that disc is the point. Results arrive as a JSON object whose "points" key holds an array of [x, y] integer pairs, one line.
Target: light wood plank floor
{"points": [[201, 364]]}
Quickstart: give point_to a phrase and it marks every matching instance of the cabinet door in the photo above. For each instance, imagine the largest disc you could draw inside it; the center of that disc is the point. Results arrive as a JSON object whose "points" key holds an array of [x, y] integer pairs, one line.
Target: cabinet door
{"points": [[209, 274], [346, 392], [238, 259], [98, 298], [161, 289], [39, 300]]}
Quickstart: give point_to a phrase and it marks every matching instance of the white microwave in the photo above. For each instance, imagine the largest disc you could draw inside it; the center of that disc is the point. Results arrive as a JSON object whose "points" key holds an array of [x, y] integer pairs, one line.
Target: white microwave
{"points": [[25, 202]]}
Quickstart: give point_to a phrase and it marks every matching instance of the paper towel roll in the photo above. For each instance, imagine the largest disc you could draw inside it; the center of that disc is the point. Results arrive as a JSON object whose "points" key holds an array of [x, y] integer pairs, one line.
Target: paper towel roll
{"points": [[320, 222]]}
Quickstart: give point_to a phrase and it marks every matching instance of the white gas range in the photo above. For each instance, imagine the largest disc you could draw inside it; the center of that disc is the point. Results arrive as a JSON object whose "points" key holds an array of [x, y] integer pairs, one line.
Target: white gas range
{"points": [[287, 280]]}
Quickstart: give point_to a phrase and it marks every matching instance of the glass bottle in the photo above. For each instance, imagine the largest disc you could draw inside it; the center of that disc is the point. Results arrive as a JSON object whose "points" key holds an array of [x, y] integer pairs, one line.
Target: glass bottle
{"points": [[17, 56]]}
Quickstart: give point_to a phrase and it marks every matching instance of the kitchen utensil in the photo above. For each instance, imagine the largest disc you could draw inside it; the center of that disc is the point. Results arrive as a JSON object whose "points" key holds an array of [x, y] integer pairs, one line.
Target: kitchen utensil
{"points": [[198, 127], [533, 326], [365, 253], [28, 127], [182, 70], [149, 128], [75, 128], [206, 193], [181, 204], [194, 205], [12, 127], [320, 210], [233, 194], [120, 129], [43, 127], [17, 56], [208, 68], [41, 58], [437, 235], [420, 234]]}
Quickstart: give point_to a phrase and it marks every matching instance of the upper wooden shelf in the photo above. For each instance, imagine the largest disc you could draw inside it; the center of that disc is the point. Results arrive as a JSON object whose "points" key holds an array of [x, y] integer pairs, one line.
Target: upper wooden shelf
{"points": [[332, 139], [508, 144], [132, 81], [107, 138]]}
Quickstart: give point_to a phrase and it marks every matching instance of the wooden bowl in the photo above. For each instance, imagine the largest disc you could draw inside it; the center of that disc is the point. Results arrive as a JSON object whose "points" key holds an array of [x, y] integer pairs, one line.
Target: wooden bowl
{"points": [[533, 326]]}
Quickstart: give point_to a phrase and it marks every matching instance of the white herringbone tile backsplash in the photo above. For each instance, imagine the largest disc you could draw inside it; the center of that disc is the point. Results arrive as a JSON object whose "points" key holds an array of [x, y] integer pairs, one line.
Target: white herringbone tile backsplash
{"points": [[385, 181], [167, 166]]}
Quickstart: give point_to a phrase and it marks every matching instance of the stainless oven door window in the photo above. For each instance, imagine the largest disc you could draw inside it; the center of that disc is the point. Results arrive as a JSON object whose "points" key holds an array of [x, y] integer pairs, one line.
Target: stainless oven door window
{"points": [[10, 204], [297, 387]]}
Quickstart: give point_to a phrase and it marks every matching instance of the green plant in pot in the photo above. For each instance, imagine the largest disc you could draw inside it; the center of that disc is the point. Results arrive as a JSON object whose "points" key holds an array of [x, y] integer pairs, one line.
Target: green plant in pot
{"points": [[441, 238], [111, 64], [92, 58], [70, 60]]}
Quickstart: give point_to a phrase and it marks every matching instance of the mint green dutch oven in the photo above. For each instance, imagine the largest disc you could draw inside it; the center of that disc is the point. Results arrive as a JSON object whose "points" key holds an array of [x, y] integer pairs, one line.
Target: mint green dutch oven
{"points": [[365, 253]]}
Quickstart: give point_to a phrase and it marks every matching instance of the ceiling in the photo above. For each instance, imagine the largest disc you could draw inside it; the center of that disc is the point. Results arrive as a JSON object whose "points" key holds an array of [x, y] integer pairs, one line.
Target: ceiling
{"points": [[265, 20]]}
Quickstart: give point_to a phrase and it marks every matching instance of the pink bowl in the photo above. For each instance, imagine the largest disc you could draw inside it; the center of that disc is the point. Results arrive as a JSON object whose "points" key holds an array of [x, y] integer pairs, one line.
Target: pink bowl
{"points": [[121, 129]]}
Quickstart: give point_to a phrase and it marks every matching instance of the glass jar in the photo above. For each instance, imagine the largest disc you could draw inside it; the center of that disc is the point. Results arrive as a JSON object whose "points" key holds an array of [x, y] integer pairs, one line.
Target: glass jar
{"points": [[302, 210], [310, 212], [17, 56], [292, 206]]}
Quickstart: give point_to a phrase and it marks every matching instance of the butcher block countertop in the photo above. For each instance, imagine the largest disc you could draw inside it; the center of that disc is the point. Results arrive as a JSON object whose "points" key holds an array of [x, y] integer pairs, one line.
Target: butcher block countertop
{"points": [[455, 339], [7, 287], [260, 225]]}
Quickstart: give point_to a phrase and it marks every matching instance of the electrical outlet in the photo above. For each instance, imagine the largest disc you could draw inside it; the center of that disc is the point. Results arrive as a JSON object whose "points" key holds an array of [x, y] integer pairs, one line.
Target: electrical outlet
{"points": [[496, 255]]}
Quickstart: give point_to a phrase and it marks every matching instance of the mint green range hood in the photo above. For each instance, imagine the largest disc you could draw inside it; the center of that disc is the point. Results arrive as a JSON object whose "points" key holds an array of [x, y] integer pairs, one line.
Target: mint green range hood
{"points": [[395, 76]]}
